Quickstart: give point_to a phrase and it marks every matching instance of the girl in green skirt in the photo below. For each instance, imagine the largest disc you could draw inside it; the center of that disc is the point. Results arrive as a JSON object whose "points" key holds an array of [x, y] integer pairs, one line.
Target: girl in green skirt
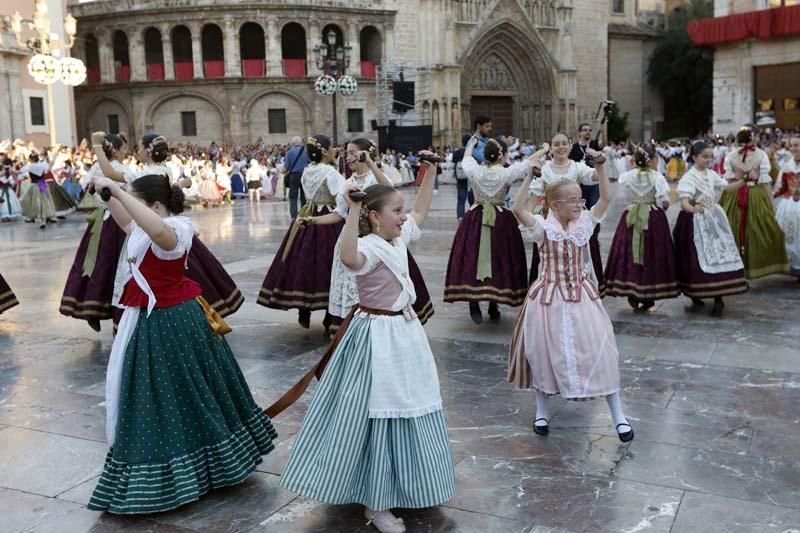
{"points": [[180, 418]]}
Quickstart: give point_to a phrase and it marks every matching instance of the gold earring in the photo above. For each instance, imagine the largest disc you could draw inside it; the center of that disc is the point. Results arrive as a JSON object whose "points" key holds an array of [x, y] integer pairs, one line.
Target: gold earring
{"points": [[379, 226]]}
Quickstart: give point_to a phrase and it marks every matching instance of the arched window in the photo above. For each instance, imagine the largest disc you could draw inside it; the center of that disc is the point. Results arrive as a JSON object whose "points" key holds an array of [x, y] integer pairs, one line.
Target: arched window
{"points": [[371, 51], [182, 53], [338, 36], [253, 50], [293, 50], [213, 51], [92, 54], [122, 62], [153, 54]]}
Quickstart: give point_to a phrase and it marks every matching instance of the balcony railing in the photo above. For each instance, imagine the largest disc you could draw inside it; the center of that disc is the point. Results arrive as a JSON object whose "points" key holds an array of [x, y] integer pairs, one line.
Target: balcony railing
{"points": [[184, 70], [214, 68], [368, 69], [294, 68], [253, 68], [123, 73], [93, 75], [155, 71]]}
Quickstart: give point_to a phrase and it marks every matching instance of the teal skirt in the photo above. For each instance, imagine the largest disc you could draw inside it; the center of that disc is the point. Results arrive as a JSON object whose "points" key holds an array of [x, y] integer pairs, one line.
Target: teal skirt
{"points": [[342, 456], [187, 421]]}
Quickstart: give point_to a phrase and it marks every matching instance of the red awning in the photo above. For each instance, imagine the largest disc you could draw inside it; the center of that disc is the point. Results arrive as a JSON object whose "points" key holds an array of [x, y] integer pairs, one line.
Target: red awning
{"points": [[764, 24]]}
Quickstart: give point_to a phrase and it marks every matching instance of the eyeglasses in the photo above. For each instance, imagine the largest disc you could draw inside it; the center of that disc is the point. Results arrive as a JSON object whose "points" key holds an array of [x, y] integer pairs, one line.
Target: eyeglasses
{"points": [[573, 201], [585, 130]]}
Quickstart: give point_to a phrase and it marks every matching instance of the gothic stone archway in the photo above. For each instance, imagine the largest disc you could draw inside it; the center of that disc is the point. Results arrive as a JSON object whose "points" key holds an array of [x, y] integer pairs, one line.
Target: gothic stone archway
{"points": [[510, 77]]}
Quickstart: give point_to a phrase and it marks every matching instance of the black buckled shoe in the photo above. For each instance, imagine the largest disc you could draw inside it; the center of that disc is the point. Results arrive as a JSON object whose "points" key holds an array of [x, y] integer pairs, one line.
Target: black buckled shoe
{"points": [[541, 430], [304, 318], [475, 312], [647, 305], [716, 311], [626, 436], [94, 324], [494, 312], [633, 302]]}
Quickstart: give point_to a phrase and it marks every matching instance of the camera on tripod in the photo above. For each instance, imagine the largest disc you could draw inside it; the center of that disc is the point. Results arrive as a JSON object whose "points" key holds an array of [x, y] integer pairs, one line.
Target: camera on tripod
{"points": [[606, 107]]}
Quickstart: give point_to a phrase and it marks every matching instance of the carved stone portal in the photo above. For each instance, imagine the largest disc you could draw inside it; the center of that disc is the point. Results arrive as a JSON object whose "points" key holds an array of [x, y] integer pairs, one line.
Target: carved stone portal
{"points": [[493, 74]]}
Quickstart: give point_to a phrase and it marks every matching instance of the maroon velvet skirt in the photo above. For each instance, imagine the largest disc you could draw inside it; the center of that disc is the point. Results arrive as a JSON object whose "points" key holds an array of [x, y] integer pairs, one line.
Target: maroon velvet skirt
{"points": [[656, 278], [219, 289], [692, 281], [303, 279], [597, 261], [509, 282], [7, 298], [89, 297]]}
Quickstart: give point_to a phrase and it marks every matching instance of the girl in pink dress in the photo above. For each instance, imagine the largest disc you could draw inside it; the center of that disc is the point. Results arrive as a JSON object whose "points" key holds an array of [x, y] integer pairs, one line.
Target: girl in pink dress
{"points": [[564, 342]]}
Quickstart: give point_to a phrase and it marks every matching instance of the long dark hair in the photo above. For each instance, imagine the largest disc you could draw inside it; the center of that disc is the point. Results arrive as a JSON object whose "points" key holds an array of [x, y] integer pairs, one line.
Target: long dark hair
{"points": [[154, 188], [316, 147]]}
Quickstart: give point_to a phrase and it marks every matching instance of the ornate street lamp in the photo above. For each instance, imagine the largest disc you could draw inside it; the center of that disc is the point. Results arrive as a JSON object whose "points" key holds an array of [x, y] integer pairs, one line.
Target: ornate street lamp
{"points": [[47, 65], [333, 61]]}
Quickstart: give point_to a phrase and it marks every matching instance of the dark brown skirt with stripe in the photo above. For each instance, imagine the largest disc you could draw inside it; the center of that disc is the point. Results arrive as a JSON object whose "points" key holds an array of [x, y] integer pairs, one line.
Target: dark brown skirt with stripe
{"points": [[509, 281], [7, 297], [692, 281], [89, 297], [656, 278], [219, 289], [303, 279]]}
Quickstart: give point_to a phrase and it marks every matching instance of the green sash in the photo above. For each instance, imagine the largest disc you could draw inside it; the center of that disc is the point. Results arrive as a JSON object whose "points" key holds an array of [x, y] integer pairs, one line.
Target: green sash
{"points": [[485, 251], [638, 217], [307, 210], [95, 220]]}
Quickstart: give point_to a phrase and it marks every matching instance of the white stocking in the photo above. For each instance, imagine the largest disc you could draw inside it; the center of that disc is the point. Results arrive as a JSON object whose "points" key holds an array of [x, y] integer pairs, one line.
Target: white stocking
{"points": [[615, 405], [542, 410]]}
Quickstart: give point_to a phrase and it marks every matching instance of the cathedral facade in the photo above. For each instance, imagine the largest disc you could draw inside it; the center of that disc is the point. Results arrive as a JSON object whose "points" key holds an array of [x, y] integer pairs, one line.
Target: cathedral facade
{"points": [[234, 71]]}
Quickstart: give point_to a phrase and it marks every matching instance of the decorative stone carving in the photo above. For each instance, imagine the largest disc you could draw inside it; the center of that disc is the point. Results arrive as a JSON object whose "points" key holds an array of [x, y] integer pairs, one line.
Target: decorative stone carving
{"points": [[493, 74]]}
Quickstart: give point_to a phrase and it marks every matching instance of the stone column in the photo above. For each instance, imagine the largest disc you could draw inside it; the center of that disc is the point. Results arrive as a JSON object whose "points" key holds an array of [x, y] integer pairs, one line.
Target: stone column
{"points": [[353, 39], [233, 67], [197, 51], [274, 66], [312, 39], [136, 54], [166, 44], [106, 55], [138, 120]]}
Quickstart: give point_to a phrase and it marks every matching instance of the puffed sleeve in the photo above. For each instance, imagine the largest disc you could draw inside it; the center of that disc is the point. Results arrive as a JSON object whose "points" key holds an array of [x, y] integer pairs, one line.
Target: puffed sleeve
{"points": [[662, 187], [763, 171], [470, 166], [719, 182], [533, 233], [686, 187], [184, 231], [595, 219], [585, 174], [517, 171], [410, 231], [537, 187], [370, 258], [127, 172], [728, 169]]}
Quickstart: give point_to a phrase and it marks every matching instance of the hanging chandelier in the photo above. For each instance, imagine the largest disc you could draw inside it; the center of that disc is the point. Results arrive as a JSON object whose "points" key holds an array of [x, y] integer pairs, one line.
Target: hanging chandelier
{"points": [[47, 65]]}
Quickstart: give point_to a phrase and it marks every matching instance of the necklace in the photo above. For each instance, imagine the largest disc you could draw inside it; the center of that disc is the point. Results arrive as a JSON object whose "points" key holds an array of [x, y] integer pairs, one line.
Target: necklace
{"points": [[553, 163]]}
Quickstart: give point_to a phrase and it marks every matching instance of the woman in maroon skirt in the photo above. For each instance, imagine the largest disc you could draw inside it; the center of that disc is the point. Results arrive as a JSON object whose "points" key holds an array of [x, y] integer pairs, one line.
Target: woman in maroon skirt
{"points": [[7, 298], [706, 254], [90, 283], [487, 261], [300, 274], [641, 263]]}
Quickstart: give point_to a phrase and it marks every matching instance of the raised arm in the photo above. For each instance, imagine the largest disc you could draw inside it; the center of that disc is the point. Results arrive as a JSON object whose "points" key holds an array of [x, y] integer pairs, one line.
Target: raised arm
{"points": [[105, 165], [520, 206], [348, 246], [602, 204], [379, 175], [422, 203], [125, 208]]}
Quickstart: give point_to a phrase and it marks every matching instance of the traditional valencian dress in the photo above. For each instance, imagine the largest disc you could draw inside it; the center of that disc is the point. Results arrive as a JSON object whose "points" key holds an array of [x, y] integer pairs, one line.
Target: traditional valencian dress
{"points": [[180, 418], [706, 255], [64, 204], [641, 262], [375, 433], [487, 260], [7, 297], [219, 289], [751, 216], [344, 290], [787, 212], [300, 274], [563, 342], [582, 174], [89, 290], [36, 203], [9, 203]]}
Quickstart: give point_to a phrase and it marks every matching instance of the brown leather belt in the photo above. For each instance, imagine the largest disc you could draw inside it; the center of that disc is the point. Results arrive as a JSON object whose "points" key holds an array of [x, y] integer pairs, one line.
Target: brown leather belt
{"points": [[379, 312]]}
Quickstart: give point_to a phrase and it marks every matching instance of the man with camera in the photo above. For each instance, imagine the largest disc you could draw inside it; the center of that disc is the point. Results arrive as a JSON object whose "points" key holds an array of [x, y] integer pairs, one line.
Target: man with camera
{"points": [[591, 193]]}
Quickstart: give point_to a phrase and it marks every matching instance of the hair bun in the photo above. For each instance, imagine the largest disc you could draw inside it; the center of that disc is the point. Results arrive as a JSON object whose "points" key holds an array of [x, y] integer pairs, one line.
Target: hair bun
{"points": [[176, 199]]}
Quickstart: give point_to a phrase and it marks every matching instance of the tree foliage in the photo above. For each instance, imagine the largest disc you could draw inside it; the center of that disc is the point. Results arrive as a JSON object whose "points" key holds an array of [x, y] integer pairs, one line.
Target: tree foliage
{"points": [[617, 125], [683, 73]]}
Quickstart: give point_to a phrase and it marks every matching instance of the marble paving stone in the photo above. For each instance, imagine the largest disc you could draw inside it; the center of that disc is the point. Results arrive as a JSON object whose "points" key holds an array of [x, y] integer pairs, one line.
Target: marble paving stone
{"points": [[306, 516], [80, 493], [776, 358], [554, 498], [85, 521], [47, 464], [87, 424], [725, 515], [755, 479], [20, 511], [231, 509]]}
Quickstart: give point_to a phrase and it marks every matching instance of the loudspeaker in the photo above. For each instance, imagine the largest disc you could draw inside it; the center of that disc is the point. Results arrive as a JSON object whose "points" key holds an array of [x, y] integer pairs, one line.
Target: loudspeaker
{"points": [[392, 123], [374, 125], [403, 96]]}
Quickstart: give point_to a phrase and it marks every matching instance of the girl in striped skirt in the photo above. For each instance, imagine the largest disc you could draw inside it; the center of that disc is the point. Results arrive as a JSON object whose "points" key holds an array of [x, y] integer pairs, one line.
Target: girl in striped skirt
{"points": [[375, 432], [564, 342]]}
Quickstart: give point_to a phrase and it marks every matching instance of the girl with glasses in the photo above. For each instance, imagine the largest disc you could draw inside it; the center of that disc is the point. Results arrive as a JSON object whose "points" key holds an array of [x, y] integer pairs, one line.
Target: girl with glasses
{"points": [[564, 342]]}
